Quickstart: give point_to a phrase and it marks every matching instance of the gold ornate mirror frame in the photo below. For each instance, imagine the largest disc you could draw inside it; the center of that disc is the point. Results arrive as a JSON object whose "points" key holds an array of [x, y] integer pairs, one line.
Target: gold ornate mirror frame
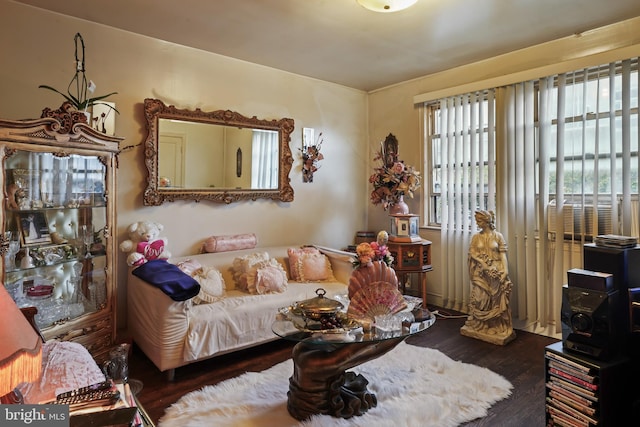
{"points": [[155, 194]]}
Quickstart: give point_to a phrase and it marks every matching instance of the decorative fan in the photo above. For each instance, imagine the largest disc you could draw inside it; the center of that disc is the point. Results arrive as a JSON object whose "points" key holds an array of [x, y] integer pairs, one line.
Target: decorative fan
{"points": [[376, 299], [363, 277]]}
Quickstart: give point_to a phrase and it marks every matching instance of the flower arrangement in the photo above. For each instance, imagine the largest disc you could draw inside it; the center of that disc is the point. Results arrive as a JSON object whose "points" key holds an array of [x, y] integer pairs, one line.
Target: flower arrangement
{"points": [[367, 252], [311, 155], [392, 179], [79, 100]]}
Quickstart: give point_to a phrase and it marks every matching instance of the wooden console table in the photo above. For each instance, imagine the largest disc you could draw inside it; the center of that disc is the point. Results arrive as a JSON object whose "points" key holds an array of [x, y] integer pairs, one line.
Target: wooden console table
{"points": [[412, 257]]}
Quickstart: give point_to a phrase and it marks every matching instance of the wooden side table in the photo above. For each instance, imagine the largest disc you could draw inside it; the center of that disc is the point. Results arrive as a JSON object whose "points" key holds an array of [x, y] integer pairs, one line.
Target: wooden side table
{"points": [[412, 257]]}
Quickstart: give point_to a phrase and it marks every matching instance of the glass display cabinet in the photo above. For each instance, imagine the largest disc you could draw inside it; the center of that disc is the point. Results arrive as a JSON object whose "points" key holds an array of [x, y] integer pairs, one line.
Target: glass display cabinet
{"points": [[58, 215]]}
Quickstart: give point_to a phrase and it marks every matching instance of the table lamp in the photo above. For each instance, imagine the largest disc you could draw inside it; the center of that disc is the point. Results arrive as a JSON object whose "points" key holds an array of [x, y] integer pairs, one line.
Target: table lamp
{"points": [[20, 352]]}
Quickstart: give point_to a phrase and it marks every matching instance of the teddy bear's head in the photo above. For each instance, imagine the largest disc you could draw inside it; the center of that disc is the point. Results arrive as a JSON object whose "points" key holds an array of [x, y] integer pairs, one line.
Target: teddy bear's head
{"points": [[145, 231]]}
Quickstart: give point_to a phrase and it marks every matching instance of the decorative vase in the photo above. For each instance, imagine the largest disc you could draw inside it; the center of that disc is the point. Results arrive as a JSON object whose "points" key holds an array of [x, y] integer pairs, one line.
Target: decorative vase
{"points": [[399, 207], [27, 260]]}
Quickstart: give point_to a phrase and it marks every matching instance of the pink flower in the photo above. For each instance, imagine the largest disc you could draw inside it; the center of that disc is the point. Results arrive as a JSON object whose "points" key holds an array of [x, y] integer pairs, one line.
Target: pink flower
{"points": [[389, 183], [380, 251], [369, 252], [397, 168]]}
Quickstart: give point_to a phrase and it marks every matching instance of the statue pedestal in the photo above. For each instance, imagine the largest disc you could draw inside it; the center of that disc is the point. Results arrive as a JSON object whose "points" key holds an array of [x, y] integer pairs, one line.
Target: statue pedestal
{"points": [[488, 336]]}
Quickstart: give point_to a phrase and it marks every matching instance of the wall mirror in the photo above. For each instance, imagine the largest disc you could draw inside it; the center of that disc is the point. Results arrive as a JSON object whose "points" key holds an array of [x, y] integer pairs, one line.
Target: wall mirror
{"points": [[220, 156]]}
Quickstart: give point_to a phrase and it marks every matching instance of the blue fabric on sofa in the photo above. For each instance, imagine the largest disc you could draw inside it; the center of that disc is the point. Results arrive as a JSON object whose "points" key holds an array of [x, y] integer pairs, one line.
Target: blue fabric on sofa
{"points": [[178, 285]]}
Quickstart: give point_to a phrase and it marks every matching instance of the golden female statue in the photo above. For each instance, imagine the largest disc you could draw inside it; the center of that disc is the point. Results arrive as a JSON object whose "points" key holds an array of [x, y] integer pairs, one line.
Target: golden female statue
{"points": [[489, 312]]}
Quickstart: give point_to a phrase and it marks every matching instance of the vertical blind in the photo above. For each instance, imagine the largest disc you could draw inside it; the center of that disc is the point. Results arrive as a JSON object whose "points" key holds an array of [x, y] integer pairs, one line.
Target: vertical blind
{"points": [[466, 173], [556, 158]]}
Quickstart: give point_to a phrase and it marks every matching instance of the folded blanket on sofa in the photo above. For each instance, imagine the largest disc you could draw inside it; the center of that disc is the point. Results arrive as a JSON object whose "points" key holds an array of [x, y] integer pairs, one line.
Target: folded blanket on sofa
{"points": [[178, 285]]}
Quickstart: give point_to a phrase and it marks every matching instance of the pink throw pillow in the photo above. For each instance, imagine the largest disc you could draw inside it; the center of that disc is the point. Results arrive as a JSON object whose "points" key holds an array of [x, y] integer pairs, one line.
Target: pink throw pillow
{"points": [[314, 268], [190, 267], [247, 265], [294, 256], [268, 279]]}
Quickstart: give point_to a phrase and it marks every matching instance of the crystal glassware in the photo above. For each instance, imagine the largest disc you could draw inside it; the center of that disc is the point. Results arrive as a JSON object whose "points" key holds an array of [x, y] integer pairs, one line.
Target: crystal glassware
{"points": [[86, 237], [10, 256], [117, 367]]}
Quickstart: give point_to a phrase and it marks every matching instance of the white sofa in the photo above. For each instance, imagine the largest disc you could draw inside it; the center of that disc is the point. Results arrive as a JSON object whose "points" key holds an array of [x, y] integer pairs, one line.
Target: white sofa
{"points": [[177, 333]]}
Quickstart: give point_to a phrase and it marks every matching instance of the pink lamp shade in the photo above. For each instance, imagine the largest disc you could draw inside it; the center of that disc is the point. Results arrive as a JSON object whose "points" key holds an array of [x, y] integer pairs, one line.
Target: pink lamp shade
{"points": [[20, 346]]}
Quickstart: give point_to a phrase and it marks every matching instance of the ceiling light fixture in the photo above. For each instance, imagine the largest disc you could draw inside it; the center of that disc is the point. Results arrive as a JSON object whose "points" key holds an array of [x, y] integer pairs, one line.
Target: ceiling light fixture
{"points": [[386, 5]]}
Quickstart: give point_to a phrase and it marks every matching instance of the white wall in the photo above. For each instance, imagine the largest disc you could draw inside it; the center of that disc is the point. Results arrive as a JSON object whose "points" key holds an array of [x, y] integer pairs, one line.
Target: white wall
{"points": [[392, 109], [37, 47]]}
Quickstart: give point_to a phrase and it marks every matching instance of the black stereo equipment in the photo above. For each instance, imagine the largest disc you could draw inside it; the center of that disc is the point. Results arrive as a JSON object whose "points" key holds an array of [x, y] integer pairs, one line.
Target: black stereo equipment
{"points": [[591, 322], [594, 280], [624, 264], [634, 322]]}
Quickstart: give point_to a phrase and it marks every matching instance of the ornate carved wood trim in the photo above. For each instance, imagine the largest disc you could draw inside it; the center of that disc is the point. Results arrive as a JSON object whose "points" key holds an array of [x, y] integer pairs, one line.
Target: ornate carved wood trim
{"points": [[155, 109]]}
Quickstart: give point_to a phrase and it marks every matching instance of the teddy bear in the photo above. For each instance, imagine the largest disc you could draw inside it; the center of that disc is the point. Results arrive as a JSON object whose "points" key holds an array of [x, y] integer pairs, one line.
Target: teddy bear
{"points": [[144, 243]]}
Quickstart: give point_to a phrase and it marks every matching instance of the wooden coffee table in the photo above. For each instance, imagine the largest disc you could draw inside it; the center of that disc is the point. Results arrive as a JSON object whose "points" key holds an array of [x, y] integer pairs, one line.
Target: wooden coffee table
{"points": [[320, 383]]}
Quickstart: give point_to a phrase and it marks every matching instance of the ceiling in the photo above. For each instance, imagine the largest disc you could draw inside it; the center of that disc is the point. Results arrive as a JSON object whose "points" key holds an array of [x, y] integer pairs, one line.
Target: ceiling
{"points": [[341, 42]]}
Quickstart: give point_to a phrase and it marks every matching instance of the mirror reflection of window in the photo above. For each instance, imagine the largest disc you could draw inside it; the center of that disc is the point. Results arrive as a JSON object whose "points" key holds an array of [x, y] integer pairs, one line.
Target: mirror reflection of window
{"points": [[264, 163], [217, 164]]}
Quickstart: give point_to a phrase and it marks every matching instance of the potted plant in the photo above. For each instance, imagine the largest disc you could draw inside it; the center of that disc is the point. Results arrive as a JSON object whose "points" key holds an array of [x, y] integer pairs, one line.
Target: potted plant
{"points": [[83, 88]]}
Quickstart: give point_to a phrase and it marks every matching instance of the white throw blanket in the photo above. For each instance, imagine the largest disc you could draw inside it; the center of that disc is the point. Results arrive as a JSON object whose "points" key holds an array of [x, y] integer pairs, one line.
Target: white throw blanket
{"points": [[414, 386]]}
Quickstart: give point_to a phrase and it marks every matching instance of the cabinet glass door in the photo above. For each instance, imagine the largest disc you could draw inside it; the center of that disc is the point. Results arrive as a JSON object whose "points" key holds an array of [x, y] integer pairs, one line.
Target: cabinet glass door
{"points": [[55, 219]]}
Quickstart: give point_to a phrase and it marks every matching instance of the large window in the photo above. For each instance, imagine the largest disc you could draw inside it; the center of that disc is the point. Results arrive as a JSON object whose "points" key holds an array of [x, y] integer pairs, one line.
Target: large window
{"points": [[592, 146], [593, 126], [464, 164], [555, 158]]}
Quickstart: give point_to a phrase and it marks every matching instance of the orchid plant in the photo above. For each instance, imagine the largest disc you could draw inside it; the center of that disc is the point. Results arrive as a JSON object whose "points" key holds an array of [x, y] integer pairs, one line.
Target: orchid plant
{"points": [[79, 99]]}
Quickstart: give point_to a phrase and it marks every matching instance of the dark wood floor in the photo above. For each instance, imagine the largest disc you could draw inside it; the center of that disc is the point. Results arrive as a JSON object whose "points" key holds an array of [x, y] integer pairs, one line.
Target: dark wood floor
{"points": [[521, 362]]}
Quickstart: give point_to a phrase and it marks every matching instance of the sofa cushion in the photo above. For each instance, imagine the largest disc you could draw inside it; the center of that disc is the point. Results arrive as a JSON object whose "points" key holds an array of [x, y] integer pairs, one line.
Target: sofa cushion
{"points": [[245, 268], [246, 265], [190, 266], [267, 279], [294, 256], [258, 273], [314, 267], [212, 286], [232, 242]]}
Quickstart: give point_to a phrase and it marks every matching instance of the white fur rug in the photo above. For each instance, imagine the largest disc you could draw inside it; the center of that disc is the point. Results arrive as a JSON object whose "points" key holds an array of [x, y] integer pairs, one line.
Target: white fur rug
{"points": [[415, 386]]}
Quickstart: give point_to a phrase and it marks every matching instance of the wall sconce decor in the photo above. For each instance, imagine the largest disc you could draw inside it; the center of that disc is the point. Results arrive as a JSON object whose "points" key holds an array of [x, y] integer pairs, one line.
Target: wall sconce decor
{"points": [[311, 154]]}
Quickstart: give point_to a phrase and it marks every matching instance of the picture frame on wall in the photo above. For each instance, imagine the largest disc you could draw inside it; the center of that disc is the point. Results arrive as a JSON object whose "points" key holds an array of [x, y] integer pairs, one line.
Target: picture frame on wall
{"points": [[34, 228], [390, 150]]}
